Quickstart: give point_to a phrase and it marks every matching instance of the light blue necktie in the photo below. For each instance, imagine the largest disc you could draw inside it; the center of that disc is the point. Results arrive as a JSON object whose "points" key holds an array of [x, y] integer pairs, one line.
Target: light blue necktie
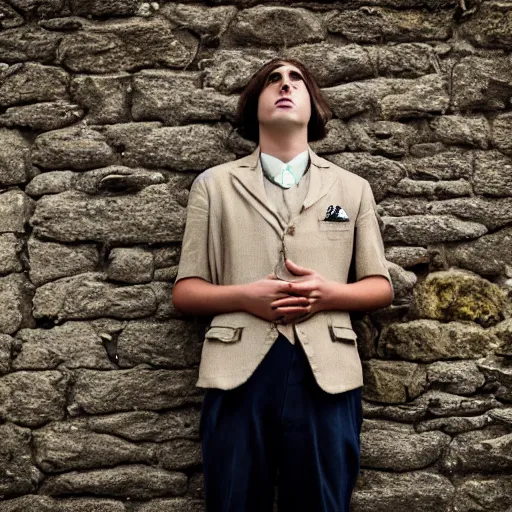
{"points": [[284, 174]]}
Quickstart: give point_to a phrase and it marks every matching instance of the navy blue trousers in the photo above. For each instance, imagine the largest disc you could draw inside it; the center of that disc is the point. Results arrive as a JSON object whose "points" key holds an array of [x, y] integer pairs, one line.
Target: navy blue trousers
{"points": [[280, 429]]}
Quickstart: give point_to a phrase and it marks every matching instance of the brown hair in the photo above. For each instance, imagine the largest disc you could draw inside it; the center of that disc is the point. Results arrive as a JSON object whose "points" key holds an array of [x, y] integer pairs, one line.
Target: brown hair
{"points": [[247, 111]]}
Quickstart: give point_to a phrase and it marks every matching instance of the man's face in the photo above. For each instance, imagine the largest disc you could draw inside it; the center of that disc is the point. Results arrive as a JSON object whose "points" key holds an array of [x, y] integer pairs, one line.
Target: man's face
{"points": [[284, 100]]}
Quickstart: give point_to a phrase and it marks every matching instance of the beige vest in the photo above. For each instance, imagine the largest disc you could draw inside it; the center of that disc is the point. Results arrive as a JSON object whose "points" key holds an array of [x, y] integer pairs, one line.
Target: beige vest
{"points": [[234, 235]]}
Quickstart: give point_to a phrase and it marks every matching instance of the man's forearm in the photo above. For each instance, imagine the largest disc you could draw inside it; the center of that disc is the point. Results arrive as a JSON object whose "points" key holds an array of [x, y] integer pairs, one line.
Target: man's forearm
{"points": [[373, 292], [195, 296]]}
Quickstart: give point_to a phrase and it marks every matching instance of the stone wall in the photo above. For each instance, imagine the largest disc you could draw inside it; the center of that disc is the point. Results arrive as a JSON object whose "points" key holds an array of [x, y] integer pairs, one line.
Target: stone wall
{"points": [[109, 109]]}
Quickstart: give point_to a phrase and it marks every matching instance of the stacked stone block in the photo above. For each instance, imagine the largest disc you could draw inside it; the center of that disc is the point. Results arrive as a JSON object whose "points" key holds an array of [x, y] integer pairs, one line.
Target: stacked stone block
{"points": [[109, 109]]}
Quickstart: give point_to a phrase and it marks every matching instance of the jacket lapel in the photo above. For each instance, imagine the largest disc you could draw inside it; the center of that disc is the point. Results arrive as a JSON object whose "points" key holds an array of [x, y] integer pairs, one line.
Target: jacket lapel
{"points": [[321, 180], [247, 178]]}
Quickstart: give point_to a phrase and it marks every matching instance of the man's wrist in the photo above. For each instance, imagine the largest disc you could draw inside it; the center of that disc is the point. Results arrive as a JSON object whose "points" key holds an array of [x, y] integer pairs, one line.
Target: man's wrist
{"points": [[333, 298], [241, 296]]}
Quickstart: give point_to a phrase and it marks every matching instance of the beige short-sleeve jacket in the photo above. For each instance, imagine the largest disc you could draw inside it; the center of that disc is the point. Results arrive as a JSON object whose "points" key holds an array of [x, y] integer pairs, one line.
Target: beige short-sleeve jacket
{"points": [[234, 236]]}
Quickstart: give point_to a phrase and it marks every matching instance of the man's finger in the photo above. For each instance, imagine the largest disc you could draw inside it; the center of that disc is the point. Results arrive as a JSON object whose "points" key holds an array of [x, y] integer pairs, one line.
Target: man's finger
{"points": [[303, 288], [296, 269], [290, 301], [292, 310]]}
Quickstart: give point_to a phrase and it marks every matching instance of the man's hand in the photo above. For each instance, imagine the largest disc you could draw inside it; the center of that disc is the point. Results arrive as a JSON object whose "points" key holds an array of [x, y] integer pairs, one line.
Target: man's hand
{"points": [[310, 285], [260, 297]]}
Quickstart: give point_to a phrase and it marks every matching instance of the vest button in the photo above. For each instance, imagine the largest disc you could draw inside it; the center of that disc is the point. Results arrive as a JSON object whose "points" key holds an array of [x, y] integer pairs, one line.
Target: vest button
{"points": [[290, 230]]}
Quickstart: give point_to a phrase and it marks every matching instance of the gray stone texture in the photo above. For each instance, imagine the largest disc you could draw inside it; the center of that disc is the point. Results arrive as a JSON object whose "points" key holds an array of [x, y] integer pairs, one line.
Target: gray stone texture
{"points": [[51, 260], [230, 70], [401, 451], [10, 18], [492, 212], [429, 229], [193, 147], [382, 173], [377, 25], [50, 182], [458, 377], [486, 450], [379, 491], [19, 473], [160, 426], [15, 211], [488, 494], [105, 98], [100, 392], [36, 8], [77, 148], [274, 25], [110, 109], [392, 98], [152, 215], [33, 398], [100, 8], [125, 44], [174, 344], [6, 343], [481, 83], [455, 424], [393, 382], [15, 165], [73, 345], [16, 293], [407, 256], [432, 189], [490, 26], [430, 340], [503, 331], [442, 404], [50, 115], [332, 64], [130, 265], [10, 248], [493, 174], [89, 295], [47, 504], [133, 481], [166, 96], [495, 247], [32, 82], [209, 23], [173, 505], [63, 447], [442, 165]]}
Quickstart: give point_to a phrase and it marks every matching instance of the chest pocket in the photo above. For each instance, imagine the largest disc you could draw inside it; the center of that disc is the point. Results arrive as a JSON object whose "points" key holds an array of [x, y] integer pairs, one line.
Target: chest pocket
{"points": [[334, 230]]}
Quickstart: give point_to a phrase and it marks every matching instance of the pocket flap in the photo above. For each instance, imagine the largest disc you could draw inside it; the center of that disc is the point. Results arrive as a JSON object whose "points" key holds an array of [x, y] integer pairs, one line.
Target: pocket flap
{"points": [[345, 334], [225, 334]]}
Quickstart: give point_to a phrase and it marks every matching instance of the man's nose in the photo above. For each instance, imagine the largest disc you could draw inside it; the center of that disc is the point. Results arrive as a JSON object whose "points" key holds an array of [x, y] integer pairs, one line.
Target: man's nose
{"points": [[285, 86]]}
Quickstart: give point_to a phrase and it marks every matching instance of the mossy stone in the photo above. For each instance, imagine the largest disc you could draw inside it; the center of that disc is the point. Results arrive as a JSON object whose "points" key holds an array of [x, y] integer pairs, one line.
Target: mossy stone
{"points": [[458, 295]]}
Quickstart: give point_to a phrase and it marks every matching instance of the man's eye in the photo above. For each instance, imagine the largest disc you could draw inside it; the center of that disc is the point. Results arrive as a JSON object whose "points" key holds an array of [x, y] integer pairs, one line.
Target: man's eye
{"points": [[295, 76], [273, 77]]}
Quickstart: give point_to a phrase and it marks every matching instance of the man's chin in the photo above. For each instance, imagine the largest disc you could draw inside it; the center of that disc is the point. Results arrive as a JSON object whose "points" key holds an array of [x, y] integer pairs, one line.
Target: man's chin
{"points": [[284, 122]]}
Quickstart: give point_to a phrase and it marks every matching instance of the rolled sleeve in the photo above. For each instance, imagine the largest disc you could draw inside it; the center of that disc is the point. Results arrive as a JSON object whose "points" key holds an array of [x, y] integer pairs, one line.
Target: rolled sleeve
{"points": [[369, 251], [194, 261]]}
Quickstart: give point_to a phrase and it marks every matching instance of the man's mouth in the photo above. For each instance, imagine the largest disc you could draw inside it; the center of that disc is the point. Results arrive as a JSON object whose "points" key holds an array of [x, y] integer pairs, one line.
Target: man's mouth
{"points": [[284, 102]]}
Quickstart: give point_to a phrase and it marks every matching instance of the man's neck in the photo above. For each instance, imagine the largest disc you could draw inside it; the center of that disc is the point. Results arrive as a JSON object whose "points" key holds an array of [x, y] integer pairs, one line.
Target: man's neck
{"points": [[284, 147]]}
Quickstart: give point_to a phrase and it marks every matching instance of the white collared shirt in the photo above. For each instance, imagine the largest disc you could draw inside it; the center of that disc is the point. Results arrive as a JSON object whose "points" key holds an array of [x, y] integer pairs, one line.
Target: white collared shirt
{"points": [[284, 174]]}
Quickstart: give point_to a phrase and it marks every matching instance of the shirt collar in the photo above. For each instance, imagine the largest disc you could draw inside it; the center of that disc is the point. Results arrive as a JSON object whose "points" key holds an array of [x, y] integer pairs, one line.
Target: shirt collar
{"points": [[273, 167]]}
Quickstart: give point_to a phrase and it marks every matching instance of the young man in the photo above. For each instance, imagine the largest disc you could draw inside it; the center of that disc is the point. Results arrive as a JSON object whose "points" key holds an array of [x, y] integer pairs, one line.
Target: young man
{"points": [[269, 242]]}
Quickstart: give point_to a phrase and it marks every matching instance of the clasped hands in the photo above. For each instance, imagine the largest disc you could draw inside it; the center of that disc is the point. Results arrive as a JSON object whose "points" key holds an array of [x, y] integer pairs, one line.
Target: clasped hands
{"points": [[283, 301]]}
